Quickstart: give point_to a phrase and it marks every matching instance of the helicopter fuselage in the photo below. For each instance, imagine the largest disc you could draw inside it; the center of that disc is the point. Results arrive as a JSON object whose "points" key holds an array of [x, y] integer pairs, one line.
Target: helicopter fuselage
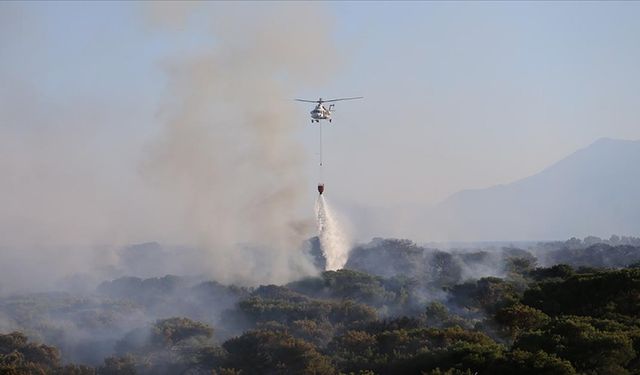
{"points": [[320, 112]]}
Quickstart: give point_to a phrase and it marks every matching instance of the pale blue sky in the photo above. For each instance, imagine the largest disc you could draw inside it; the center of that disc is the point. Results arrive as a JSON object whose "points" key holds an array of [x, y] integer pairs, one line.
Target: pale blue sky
{"points": [[457, 94], [475, 94]]}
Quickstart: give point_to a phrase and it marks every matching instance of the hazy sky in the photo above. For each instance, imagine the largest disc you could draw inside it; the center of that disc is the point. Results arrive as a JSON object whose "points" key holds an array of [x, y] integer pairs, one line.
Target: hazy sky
{"points": [[466, 95], [457, 95]]}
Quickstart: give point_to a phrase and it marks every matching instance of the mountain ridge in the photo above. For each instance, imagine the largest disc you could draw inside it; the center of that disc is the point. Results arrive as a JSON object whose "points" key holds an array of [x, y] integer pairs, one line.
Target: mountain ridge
{"points": [[554, 164], [594, 190]]}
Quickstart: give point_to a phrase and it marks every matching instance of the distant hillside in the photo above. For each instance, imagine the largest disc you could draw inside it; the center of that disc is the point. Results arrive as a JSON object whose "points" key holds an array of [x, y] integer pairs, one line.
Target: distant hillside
{"points": [[595, 190]]}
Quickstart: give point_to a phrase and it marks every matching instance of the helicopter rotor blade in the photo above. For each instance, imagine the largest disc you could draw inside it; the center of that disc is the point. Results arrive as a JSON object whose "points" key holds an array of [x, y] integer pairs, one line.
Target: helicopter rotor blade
{"points": [[308, 101], [337, 100]]}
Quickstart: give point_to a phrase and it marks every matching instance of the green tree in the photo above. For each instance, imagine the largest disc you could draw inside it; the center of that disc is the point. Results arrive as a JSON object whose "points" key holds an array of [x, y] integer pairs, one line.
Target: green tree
{"points": [[488, 294], [19, 356], [168, 346], [438, 315], [356, 351], [526, 363], [272, 352], [518, 318], [118, 366], [589, 344], [596, 294], [169, 332], [558, 271]]}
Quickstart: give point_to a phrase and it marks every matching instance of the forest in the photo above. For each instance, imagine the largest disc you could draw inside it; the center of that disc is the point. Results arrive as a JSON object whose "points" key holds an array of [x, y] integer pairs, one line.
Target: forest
{"points": [[567, 307]]}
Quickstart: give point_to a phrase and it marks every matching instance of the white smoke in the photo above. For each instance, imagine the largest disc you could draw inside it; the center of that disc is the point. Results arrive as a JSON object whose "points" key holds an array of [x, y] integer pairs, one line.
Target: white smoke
{"points": [[226, 160], [209, 160], [333, 240]]}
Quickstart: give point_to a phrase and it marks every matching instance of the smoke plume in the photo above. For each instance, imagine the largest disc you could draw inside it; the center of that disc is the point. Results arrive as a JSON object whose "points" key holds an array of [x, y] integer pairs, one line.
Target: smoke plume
{"points": [[227, 157], [209, 162]]}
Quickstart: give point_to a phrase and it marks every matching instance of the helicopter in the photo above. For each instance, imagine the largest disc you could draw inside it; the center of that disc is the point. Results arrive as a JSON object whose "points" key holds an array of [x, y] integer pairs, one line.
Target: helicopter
{"points": [[320, 112]]}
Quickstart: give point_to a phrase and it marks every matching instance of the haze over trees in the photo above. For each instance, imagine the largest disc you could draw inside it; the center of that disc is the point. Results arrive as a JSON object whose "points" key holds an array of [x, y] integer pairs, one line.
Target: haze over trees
{"points": [[567, 307]]}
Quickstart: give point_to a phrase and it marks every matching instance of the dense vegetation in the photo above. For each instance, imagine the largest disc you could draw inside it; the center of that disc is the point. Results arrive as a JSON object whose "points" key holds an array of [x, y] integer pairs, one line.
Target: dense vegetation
{"points": [[559, 308]]}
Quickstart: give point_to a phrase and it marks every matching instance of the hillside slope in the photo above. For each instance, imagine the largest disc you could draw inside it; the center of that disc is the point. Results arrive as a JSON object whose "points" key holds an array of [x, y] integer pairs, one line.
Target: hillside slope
{"points": [[595, 190]]}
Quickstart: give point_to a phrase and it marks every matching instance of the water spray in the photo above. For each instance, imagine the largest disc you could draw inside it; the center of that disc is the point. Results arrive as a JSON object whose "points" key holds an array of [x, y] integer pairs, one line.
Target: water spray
{"points": [[333, 241]]}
